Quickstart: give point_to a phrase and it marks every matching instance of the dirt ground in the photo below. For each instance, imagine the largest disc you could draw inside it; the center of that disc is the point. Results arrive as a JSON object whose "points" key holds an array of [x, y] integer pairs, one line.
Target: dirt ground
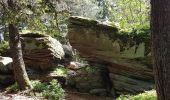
{"points": [[69, 96], [84, 96]]}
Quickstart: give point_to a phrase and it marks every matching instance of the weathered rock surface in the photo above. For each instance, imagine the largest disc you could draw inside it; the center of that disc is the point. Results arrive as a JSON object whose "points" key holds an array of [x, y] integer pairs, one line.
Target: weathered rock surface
{"points": [[41, 54], [89, 79], [85, 79], [126, 57], [41, 51], [5, 64]]}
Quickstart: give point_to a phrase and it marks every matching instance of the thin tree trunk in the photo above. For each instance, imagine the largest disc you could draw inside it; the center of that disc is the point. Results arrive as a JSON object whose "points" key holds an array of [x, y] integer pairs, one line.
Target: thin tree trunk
{"points": [[160, 29], [21, 76], [57, 24]]}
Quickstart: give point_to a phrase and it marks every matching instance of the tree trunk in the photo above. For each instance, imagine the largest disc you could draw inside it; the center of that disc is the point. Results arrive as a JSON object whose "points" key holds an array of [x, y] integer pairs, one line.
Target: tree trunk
{"points": [[160, 29], [21, 76]]}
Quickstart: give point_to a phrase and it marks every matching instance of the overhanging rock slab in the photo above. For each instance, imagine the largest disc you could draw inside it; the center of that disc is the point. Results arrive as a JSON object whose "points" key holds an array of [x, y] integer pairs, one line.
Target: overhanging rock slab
{"points": [[124, 56]]}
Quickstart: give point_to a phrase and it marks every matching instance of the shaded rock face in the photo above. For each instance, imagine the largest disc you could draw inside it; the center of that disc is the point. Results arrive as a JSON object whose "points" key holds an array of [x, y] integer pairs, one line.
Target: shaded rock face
{"points": [[68, 51], [88, 79], [69, 55], [40, 51], [127, 60], [5, 70]]}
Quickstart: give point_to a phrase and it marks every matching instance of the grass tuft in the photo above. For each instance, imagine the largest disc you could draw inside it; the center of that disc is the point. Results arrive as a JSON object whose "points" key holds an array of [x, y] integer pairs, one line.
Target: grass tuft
{"points": [[148, 95]]}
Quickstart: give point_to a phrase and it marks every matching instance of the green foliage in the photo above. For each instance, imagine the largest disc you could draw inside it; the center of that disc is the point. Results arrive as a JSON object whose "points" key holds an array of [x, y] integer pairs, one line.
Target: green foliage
{"points": [[39, 86], [127, 13], [12, 88], [48, 15], [31, 15], [148, 95], [61, 71], [140, 34], [104, 12], [3, 47], [90, 69], [52, 91]]}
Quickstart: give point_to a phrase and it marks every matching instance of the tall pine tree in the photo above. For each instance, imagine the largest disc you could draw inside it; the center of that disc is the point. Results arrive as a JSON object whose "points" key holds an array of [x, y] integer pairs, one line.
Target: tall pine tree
{"points": [[160, 29]]}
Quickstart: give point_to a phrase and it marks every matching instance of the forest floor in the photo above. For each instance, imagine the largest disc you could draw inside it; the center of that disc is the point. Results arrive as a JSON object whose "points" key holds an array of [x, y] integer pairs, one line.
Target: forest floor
{"points": [[84, 96], [72, 94], [69, 96], [18, 97]]}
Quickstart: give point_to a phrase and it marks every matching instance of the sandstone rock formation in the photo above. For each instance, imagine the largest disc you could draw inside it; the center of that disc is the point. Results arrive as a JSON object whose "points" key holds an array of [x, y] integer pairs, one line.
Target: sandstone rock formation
{"points": [[127, 58], [42, 54], [41, 51]]}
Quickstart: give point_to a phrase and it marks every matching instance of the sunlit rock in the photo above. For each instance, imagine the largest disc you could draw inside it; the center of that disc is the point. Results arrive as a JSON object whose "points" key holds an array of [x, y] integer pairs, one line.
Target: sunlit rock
{"points": [[125, 55], [41, 51]]}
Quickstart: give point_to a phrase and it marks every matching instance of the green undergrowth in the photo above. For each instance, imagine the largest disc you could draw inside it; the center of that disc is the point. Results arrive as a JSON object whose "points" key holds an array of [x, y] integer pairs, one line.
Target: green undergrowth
{"points": [[61, 71], [12, 89], [3, 47], [148, 95], [50, 91], [89, 69]]}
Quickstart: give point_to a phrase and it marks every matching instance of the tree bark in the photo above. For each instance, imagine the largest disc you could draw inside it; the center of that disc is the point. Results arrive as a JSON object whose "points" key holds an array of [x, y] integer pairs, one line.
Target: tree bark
{"points": [[160, 30], [20, 73]]}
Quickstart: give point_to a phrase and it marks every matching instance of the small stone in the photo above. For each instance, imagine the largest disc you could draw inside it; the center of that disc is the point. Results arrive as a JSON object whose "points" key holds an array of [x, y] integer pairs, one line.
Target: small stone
{"points": [[73, 66]]}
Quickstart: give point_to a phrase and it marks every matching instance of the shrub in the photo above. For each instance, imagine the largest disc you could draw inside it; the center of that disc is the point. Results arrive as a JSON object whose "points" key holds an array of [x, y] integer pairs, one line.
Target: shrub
{"points": [[12, 88], [3, 47], [52, 91], [61, 71], [39, 86]]}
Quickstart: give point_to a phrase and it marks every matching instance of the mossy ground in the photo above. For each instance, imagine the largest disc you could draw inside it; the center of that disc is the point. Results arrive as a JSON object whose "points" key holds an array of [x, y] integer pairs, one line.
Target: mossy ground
{"points": [[148, 95]]}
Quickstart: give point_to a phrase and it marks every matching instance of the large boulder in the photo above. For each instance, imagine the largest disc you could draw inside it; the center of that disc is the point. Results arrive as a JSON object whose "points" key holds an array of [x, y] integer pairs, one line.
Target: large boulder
{"points": [[6, 76], [126, 56], [5, 64], [41, 51]]}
